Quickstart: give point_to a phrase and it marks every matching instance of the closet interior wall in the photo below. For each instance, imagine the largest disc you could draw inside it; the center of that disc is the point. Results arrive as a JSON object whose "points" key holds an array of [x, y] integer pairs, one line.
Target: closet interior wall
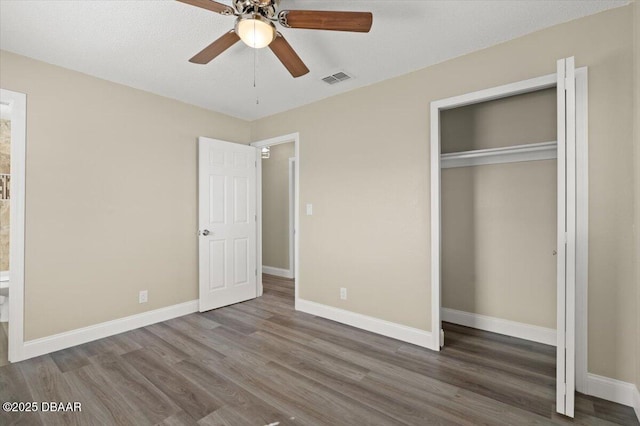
{"points": [[499, 221]]}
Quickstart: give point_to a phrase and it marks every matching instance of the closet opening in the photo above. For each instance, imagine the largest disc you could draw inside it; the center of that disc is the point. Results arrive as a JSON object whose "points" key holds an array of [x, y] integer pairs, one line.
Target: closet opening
{"points": [[499, 233], [499, 217], [509, 225]]}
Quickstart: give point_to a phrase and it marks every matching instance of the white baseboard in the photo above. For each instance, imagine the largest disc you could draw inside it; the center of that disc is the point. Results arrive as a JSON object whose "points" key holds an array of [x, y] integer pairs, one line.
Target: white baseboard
{"points": [[613, 390], [45, 345], [375, 325], [501, 326], [278, 272]]}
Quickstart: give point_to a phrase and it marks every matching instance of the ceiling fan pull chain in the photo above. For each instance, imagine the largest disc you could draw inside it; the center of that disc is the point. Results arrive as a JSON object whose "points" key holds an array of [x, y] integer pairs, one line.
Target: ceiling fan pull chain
{"points": [[255, 60]]}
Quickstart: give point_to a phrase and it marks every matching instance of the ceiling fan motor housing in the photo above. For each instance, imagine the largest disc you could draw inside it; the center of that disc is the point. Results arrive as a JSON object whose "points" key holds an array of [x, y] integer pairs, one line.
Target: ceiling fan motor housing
{"points": [[266, 8]]}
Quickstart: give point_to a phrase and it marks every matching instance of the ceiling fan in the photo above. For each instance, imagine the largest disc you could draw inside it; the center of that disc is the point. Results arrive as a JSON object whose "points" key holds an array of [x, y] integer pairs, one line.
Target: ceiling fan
{"points": [[255, 27]]}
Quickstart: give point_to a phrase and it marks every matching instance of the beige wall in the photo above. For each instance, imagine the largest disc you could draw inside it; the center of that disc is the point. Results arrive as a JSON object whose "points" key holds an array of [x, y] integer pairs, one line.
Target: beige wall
{"points": [[498, 236], [516, 120], [111, 195], [367, 174], [5, 168], [275, 206]]}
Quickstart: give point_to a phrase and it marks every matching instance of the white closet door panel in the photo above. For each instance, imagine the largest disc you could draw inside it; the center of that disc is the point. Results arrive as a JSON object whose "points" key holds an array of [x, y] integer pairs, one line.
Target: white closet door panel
{"points": [[565, 357]]}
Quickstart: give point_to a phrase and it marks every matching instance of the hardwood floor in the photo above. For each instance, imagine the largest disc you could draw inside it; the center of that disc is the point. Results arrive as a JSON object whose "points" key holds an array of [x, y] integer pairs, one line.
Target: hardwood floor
{"points": [[260, 363]]}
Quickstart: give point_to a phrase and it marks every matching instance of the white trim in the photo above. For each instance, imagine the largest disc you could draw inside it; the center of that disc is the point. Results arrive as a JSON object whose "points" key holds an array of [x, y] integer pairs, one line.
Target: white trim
{"points": [[45, 345], [292, 214], [436, 231], [571, 215], [562, 247], [295, 138], [278, 272], [375, 325], [612, 390], [4, 276], [511, 154], [582, 198], [582, 226], [259, 222], [520, 330], [18, 102], [498, 92], [278, 140]]}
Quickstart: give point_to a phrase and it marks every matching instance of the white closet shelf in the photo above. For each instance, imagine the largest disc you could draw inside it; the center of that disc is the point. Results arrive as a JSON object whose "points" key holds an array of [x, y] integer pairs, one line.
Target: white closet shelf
{"points": [[510, 154]]}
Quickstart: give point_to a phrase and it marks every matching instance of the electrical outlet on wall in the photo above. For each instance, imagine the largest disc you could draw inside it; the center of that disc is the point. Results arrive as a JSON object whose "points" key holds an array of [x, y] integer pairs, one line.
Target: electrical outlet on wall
{"points": [[343, 293], [143, 296]]}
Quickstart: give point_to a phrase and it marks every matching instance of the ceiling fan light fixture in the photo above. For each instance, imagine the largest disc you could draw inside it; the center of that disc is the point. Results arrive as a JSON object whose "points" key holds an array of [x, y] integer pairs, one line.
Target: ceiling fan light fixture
{"points": [[255, 31]]}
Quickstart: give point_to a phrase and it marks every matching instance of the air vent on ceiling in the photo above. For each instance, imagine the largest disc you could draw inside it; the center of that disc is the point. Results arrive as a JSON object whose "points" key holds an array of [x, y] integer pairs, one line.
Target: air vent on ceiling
{"points": [[336, 78]]}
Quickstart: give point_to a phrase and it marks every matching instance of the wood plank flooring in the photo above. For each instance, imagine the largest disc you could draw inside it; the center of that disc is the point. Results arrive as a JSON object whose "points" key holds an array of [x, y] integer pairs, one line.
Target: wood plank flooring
{"points": [[261, 363]]}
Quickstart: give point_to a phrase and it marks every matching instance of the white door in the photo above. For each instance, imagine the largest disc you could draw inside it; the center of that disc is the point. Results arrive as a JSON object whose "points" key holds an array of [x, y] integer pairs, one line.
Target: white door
{"points": [[227, 223], [566, 321]]}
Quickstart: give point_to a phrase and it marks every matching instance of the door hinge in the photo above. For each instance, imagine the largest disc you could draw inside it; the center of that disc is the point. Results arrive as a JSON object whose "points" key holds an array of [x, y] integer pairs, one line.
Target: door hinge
{"points": [[566, 238]]}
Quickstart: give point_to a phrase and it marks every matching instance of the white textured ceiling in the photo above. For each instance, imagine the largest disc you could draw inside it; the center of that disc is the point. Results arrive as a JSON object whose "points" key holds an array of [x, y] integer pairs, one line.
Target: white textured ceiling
{"points": [[146, 44]]}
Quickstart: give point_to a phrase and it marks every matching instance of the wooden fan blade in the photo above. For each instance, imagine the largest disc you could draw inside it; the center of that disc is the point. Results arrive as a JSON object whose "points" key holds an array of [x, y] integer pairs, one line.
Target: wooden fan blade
{"points": [[289, 58], [207, 54], [323, 20], [211, 5]]}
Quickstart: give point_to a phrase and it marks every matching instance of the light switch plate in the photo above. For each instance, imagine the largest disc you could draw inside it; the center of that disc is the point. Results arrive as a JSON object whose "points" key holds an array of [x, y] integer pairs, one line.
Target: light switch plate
{"points": [[309, 209]]}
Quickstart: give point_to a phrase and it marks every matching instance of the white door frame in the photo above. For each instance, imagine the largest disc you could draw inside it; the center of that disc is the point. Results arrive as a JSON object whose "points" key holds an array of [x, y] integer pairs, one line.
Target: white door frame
{"points": [[17, 103], [295, 138], [292, 214], [582, 202]]}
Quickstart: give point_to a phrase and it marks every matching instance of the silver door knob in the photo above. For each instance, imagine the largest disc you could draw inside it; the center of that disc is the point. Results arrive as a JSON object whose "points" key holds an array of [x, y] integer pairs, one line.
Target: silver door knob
{"points": [[205, 232]]}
